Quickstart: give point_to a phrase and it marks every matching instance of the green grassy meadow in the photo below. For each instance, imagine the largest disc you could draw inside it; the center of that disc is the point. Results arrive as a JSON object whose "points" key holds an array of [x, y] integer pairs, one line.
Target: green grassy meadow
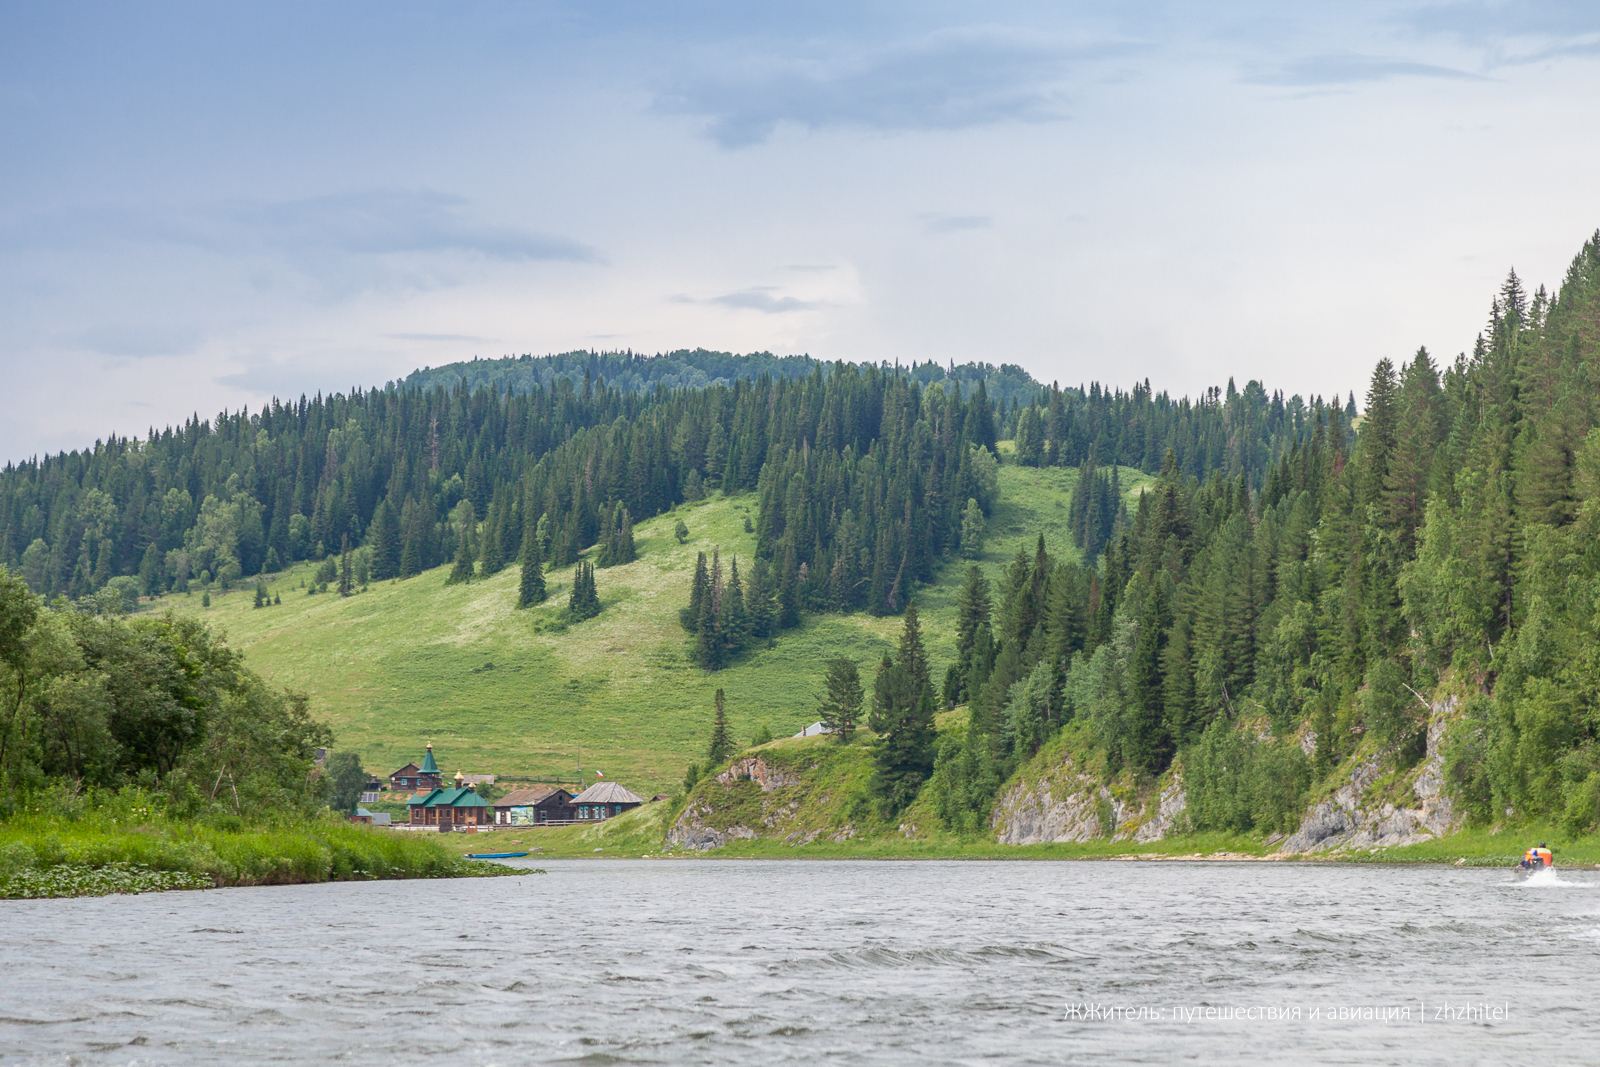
{"points": [[510, 692]]}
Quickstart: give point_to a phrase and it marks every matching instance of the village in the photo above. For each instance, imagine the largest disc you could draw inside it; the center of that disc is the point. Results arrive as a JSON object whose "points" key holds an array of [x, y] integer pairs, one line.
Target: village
{"points": [[472, 803]]}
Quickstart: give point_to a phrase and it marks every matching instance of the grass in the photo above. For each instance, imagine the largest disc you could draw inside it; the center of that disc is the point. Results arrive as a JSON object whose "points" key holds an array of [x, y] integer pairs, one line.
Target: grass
{"points": [[51, 856], [1480, 847], [513, 693]]}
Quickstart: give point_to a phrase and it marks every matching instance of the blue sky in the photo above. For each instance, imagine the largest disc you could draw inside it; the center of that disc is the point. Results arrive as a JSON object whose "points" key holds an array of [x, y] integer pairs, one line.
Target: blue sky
{"points": [[205, 205]]}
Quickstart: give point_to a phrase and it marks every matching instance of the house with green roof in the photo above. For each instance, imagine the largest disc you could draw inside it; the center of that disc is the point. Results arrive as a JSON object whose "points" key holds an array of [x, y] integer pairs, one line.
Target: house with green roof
{"points": [[450, 808]]}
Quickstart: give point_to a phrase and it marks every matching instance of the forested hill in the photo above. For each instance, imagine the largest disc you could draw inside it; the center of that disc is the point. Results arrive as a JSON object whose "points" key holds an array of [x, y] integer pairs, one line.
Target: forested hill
{"points": [[1006, 385], [1238, 624], [863, 467]]}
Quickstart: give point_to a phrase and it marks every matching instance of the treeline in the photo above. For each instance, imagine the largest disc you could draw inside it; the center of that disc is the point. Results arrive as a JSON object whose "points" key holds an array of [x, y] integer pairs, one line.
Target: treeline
{"points": [[867, 478], [1007, 385], [415, 479], [1322, 599], [1224, 430]]}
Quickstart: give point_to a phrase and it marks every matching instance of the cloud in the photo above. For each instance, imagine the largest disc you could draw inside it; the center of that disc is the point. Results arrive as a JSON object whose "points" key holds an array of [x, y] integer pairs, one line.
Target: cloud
{"points": [[951, 79], [386, 221], [1481, 23], [956, 223], [1351, 69], [760, 298], [464, 338], [133, 340], [756, 298], [376, 222]]}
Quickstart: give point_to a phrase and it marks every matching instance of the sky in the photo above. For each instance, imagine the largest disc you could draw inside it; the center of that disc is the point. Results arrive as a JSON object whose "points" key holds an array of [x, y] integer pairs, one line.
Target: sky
{"points": [[203, 206]]}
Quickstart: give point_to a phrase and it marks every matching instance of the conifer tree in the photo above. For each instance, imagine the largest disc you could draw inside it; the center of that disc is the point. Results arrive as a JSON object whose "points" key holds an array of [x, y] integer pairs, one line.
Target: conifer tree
{"points": [[721, 745], [541, 535], [386, 542], [347, 582], [841, 700], [972, 530], [463, 570], [902, 717], [531, 590], [972, 611], [584, 600], [492, 557]]}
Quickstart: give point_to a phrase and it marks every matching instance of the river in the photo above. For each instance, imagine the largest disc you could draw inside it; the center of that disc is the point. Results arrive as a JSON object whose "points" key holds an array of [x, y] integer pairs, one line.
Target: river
{"points": [[708, 962]]}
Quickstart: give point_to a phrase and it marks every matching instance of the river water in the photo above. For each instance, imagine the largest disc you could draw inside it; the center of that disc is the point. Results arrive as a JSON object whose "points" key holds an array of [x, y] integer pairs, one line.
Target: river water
{"points": [[707, 962]]}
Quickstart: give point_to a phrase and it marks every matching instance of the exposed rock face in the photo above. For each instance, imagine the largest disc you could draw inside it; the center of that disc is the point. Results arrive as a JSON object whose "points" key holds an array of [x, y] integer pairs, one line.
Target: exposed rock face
{"points": [[1171, 806], [1064, 805], [755, 769], [691, 831], [799, 795], [1346, 820]]}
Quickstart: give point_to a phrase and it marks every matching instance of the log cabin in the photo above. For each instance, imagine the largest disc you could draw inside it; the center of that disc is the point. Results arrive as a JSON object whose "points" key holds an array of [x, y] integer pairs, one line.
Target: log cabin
{"points": [[604, 800], [414, 779], [530, 807]]}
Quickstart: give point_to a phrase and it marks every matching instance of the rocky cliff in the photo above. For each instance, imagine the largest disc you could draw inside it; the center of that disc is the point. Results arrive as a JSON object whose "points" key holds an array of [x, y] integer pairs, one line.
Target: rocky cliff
{"points": [[797, 790], [1057, 799], [1358, 815], [1064, 802]]}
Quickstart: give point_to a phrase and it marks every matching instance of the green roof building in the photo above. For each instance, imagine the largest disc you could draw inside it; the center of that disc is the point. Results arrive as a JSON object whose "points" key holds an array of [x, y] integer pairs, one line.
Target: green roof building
{"points": [[414, 779], [449, 808]]}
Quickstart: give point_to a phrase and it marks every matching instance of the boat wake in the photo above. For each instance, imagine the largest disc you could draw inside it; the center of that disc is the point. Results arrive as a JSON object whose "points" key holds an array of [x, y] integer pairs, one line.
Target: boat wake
{"points": [[1548, 878]]}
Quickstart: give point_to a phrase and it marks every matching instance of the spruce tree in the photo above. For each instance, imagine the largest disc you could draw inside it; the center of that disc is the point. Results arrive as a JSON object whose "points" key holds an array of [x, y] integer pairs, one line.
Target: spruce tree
{"points": [[721, 746], [972, 530], [902, 716], [541, 535], [972, 611], [584, 600], [708, 638], [347, 582], [841, 701], [386, 542], [531, 591], [411, 558], [698, 586], [733, 623], [493, 560], [463, 569]]}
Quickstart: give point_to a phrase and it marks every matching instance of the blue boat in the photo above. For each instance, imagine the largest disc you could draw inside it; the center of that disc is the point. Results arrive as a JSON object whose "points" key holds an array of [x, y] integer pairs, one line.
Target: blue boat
{"points": [[494, 855]]}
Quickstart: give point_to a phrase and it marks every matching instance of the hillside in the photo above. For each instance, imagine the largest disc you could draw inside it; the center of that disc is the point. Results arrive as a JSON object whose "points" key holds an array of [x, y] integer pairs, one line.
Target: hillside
{"points": [[408, 662]]}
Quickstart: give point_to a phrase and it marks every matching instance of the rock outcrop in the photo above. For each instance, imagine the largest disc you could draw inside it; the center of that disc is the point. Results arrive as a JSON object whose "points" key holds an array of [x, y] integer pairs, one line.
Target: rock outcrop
{"points": [[797, 791], [1350, 819], [756, 769], [1063, 804], [691, 830]]}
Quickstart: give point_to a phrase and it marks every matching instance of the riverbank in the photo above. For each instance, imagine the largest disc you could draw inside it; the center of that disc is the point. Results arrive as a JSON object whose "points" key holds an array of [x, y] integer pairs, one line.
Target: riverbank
{"points": [[44, 856], [640, 834]]}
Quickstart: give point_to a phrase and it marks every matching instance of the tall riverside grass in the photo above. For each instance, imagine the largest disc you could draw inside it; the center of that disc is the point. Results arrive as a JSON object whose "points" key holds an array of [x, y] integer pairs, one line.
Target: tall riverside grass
{"points": [[40, 852]]}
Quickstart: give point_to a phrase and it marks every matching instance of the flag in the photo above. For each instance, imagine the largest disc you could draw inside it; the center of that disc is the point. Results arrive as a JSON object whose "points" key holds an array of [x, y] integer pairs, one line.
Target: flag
{"points": [[597, 774]]}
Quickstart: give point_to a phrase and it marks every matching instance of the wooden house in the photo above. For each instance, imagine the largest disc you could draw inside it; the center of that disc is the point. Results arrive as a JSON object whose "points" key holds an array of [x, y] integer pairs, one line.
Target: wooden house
{"points": [[417, 779], [450, 808], [603, 800], [530, 807]]}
